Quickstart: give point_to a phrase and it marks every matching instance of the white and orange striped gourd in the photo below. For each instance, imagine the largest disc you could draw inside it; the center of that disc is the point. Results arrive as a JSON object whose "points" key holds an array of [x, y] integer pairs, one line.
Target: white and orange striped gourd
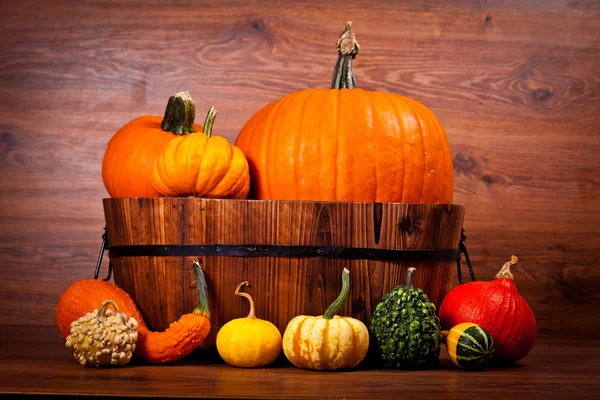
{"points": [[327, 342]]}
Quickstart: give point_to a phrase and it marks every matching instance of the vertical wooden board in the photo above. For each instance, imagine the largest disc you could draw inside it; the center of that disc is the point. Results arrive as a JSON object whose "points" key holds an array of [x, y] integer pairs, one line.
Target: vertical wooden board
{"points": [[225, 273]]}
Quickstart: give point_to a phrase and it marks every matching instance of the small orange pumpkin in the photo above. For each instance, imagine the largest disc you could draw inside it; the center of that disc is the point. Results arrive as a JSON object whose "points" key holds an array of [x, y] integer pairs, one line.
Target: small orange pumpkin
{"points": [[131, 151], [347, 144], [201, 165]]}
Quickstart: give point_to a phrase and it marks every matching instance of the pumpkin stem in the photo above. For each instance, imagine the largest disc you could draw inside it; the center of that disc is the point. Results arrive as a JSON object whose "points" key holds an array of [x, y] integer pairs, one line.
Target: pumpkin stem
{"points": [[104, 306], [251, 314], [209, 121], [343, 75], [179, 114], [337, 304], [202, 307], [409, 275], [505, 271]]}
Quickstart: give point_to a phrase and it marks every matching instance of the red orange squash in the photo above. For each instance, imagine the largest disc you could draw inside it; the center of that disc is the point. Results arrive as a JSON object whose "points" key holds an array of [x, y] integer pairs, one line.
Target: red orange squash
{"points": [[347, 144], [497, 307]]}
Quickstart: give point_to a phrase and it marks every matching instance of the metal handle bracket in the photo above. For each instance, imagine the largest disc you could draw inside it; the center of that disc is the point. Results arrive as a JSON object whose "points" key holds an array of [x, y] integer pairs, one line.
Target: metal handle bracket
{"points": [[103, 247], [463, 249]]}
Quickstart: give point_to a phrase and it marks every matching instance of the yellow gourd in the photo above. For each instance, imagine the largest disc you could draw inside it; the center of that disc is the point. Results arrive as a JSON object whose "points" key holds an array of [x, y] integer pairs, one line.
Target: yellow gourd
{"points": [[249, 341], [327, 342]]}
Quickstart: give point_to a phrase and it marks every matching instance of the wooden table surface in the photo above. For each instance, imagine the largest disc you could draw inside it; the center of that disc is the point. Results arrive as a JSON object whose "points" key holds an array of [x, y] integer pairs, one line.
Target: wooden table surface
{"points": [[33, 361]]}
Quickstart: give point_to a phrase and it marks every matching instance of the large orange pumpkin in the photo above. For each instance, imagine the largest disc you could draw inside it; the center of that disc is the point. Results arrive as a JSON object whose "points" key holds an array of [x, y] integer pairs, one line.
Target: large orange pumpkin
{"points": [[131, 151], [347, 144]]}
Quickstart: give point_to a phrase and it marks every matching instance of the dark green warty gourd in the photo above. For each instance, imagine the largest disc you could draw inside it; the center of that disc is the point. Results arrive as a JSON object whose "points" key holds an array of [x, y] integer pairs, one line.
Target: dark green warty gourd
{"points": [[405, 328]]}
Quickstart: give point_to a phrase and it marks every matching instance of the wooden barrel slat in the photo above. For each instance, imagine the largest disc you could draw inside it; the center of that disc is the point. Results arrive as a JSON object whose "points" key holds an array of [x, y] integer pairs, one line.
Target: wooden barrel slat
{"points": [[283, 287]]}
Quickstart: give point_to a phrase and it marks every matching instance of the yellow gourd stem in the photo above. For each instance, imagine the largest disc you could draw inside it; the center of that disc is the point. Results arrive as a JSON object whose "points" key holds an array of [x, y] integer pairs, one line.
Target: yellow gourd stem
{"points": [[104, 306], [251, 314], [209, 121]]}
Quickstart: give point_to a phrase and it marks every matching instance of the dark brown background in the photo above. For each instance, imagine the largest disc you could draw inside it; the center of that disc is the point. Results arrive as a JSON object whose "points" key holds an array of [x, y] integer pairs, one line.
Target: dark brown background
{"points": [[516, 84]]}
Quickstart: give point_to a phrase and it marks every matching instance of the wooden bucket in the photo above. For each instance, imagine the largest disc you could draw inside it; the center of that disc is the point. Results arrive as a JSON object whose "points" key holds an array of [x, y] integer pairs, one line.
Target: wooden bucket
{"points": [[324, 237]]}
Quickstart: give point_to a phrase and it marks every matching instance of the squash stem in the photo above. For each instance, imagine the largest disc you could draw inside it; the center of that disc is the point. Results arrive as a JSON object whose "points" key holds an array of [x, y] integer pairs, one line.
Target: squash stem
{"points": [[409, 275], [104, 306], [179, 114], [251, 314], [337, 304], [343, 75], [209, 121], [505, 271], [202, 307]]}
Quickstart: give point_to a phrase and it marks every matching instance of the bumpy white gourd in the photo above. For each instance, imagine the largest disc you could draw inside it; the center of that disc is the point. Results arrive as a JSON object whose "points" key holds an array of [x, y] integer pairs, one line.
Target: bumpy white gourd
{"points": [[103, 337]]}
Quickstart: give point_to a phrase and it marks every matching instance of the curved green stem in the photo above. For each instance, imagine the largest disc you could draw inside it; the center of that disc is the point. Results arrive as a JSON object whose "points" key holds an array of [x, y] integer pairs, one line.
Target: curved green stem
{"points": [[209, 121], [179, 114], [202, 307], [337, 304], [409, 275], [343, 75]]}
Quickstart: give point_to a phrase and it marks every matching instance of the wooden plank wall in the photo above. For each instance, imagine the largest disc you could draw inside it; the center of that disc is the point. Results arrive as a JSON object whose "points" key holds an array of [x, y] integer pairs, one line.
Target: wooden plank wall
{"points": [[516, 84]]}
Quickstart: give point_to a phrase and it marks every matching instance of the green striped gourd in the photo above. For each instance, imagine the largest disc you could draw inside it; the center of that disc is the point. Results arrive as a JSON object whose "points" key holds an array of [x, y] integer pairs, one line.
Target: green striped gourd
{"points": [[469, 346]]}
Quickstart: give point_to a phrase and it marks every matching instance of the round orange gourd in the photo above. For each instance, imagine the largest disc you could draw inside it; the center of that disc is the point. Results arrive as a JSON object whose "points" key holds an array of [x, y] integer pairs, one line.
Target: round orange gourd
{"points": [[347, 144], [84, 296], [177, 341], [131, 151]]}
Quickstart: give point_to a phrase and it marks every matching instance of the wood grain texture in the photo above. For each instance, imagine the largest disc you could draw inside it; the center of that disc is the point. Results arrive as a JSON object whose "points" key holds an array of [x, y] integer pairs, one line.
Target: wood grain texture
{"points": [[516, 85], [35, 362], [282, 287]]}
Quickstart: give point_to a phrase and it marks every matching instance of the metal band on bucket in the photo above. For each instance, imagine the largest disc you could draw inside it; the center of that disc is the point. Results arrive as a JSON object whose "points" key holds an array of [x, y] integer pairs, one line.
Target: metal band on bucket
{"points": [[272, 250]]}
